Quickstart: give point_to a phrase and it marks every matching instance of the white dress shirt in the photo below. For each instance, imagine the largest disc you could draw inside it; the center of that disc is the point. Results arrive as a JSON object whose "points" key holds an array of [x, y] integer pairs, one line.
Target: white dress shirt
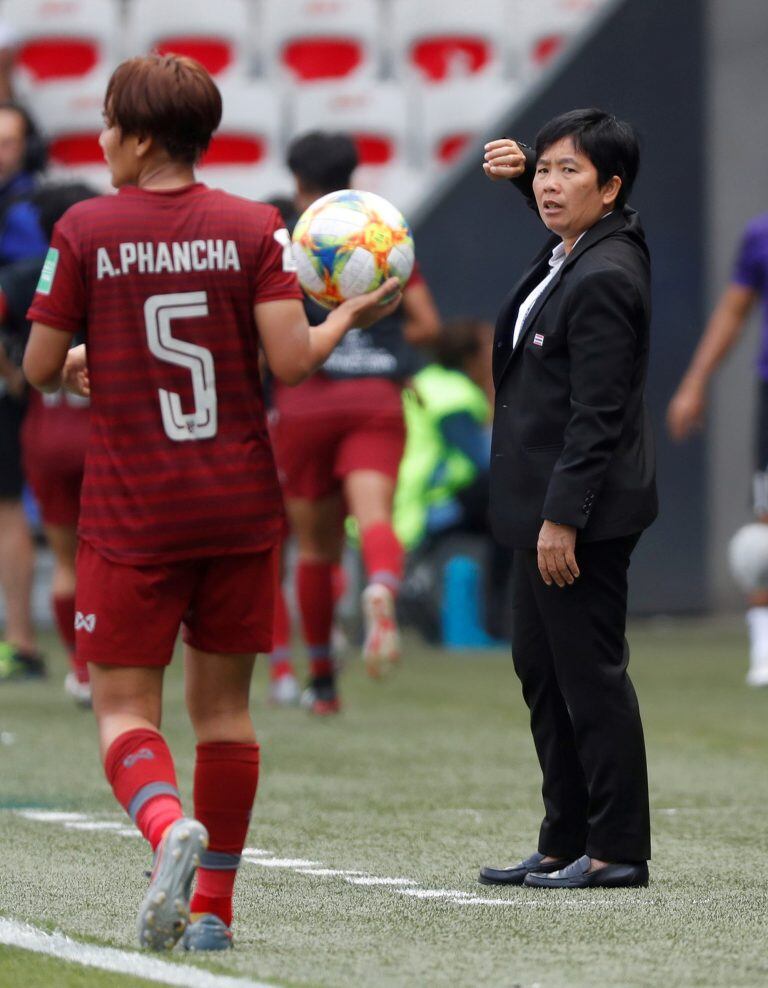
{"points": [[555, 263]]}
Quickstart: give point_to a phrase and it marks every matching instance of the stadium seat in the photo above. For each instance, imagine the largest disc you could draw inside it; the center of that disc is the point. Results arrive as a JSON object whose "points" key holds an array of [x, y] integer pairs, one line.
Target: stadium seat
{"points": [[70, 116], [76, 39], [215, 33], [439, 41], [539, 31], [313, 41], [378, 117], [453, 115], [245, 153]]}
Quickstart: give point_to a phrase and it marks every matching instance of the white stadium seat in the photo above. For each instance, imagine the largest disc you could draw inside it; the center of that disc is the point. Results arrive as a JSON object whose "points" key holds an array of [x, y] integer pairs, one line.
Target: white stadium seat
{"points": [[245, 156], [378, 116], [70, 116], [439, 41], [454, 115], [215, 32], [314, 41], [63, 41], [539, 31]]}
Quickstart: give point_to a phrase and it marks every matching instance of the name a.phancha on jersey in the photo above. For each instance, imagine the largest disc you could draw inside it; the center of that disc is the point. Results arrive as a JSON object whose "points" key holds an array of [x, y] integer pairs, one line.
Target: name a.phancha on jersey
{"points": [[146, 257]]}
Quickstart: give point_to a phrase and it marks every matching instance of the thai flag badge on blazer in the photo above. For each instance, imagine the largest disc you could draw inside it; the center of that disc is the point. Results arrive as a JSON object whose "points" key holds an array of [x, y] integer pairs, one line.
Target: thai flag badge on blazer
{"points": [[538, 339]]}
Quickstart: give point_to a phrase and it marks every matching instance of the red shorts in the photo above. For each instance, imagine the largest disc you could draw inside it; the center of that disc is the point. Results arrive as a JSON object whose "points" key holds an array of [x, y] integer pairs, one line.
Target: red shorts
{"points": [[130, 615], [54, 439], [346, 426], [57, 494]]}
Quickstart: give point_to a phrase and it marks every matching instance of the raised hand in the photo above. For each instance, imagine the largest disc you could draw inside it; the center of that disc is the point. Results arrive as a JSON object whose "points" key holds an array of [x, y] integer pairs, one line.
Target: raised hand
{"points": [[503, 160]]}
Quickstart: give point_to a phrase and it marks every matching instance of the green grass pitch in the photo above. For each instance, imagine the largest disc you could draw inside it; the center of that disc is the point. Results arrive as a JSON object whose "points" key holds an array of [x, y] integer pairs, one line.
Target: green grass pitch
{"points": [[423, 778]]}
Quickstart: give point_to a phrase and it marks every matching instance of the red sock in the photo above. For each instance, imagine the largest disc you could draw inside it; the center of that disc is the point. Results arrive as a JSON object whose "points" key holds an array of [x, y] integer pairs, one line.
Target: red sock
{"points": [[314, 589], [382, 555], [280, 657], [64, 612], [339, 582], [226, 777], [140, 770]]}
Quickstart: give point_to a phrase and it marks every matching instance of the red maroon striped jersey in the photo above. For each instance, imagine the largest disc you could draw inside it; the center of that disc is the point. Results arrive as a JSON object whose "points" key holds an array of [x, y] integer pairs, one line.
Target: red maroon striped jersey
{"points": [[163, 284]]}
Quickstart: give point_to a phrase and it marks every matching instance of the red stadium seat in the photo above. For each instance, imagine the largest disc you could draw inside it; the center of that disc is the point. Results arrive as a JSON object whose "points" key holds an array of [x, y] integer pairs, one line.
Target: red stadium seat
{"points": [[245, 154], [440, 58], [214, 54], [454, 116], [378, 116], [58, 58], [74, 149], [215, 33], [540, 31], [62, 41], [69, 114], [315, 41], [437, 42]]}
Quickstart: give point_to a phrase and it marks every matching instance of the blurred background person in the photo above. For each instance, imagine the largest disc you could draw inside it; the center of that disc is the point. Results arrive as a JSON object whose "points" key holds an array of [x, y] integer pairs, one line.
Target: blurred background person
{"points": [[339, 439], [688, 406], [442, 487], [54, 439], [22, 157], [443, 481]]}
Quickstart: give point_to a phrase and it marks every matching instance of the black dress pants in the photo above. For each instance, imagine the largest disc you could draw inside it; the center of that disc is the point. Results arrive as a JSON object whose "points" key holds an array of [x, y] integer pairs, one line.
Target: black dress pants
{"points": [[571, 656]]}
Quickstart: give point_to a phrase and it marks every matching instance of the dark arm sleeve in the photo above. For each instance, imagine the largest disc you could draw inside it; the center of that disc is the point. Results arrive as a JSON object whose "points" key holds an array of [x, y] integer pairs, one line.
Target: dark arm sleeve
{"points": [[602, 342], [524, 183]]}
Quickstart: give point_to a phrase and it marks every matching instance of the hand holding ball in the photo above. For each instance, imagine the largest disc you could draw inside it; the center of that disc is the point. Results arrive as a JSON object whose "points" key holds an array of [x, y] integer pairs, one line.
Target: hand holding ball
{"points": [[348, 243]]}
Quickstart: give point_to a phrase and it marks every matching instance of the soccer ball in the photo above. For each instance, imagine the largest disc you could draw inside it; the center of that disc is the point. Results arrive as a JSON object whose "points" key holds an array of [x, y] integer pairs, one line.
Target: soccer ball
{"points": [[748, 556], [348, 243]]}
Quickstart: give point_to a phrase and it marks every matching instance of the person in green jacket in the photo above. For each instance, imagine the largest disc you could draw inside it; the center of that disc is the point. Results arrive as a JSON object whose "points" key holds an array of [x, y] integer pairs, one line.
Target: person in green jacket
{"points": [[443, 480]]}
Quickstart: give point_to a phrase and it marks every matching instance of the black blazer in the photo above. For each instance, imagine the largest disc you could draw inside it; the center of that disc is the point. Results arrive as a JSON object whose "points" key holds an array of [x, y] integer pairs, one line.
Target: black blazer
{"points": [[572, 440]]}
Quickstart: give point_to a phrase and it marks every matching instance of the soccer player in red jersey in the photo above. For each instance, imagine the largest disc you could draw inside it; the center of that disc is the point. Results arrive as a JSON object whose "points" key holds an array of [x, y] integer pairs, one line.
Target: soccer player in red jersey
{"points": [[339, 439], [54, 437], [175, 285]]}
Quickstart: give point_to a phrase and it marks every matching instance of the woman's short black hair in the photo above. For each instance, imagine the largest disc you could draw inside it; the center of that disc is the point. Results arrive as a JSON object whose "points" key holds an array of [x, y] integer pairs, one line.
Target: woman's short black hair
{"points": [[323, 161], [610, 144]]}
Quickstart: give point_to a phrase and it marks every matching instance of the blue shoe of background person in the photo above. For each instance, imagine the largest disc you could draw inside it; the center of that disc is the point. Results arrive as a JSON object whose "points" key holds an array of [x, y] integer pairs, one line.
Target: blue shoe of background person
{"points": [[515, 874], [578, 876], [209, 932]]}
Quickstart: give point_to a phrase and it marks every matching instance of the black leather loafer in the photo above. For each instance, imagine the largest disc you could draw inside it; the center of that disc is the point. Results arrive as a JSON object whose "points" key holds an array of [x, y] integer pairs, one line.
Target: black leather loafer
{"points": [[515, 874], [578, 876]]}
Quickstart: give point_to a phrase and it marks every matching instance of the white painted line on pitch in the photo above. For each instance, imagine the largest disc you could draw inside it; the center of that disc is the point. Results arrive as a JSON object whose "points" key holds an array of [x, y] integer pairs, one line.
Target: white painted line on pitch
{"points": [[26, 937], [437, 894], [300, 866], [328, 872], [456, 897], [293, 863], [51, 816], [373, 880]]}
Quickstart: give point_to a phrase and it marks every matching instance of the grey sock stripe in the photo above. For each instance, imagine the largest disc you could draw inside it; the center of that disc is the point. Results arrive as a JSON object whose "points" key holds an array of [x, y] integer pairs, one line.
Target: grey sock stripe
{"points": [[149, 792], [219, 861]]}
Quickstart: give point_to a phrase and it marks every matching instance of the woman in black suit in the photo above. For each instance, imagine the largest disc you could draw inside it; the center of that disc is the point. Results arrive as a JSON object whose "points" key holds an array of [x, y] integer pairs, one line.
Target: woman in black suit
{"points": [[572, 488]]}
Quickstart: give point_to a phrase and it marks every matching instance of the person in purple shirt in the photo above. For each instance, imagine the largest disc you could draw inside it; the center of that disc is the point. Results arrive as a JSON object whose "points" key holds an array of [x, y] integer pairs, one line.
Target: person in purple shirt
{"points": [[686, 411]]}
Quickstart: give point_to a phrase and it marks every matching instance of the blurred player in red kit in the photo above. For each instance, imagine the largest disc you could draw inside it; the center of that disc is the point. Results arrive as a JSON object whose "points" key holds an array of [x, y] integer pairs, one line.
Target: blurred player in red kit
{"points": [[175, 285], [54, 437], [339, 439]]}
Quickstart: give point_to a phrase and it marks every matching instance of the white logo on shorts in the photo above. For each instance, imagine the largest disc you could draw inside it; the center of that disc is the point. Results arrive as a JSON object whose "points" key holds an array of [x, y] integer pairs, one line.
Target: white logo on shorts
{"points": [[85, 622]]}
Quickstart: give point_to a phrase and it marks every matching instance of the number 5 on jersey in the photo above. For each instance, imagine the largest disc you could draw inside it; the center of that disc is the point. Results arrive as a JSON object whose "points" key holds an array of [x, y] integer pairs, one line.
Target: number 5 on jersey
{"points": [[159, 311]]}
